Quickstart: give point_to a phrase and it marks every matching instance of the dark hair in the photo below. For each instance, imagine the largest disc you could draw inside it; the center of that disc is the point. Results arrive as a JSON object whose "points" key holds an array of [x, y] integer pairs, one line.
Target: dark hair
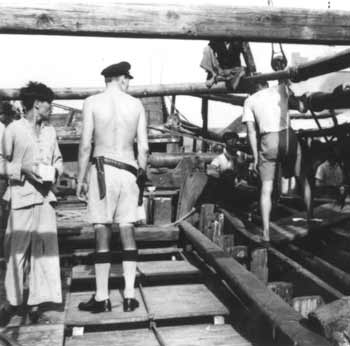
{"points": [[35, 91], [230, 135], [9, 112]]}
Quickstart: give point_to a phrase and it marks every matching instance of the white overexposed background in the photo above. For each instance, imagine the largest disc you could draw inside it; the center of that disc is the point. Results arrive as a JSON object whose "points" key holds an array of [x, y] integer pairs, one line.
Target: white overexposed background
{"points": [[63, 61]]}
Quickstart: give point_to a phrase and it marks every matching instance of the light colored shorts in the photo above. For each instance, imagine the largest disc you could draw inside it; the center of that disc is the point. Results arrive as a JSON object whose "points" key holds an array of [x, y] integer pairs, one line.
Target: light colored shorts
{"points": [[120, 203], [279, 148]]}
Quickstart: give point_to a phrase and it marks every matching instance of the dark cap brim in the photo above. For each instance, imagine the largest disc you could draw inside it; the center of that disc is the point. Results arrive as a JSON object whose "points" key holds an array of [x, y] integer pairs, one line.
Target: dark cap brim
{"points": [[128, 75]]}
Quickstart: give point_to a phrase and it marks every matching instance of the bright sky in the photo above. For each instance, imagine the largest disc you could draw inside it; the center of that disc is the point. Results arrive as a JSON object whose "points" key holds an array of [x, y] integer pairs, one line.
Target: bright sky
{"points": [[77, 61]]}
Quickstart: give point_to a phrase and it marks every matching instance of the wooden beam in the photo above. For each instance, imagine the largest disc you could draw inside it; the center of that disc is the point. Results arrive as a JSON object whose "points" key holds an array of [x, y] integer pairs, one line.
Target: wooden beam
{"points": [[277, 312], [186, 21], [205, 122], [248, 58], [137, 91]]}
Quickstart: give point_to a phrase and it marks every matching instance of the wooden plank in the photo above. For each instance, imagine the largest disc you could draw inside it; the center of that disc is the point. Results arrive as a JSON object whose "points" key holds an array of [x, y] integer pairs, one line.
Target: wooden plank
{"points": [[140, 337], [190, 191], [194, 335], [181, 301], [258, 264], [283, 318], [146, 269], [75, 317], [186, 20], [206, 219], [38, 335], [203, 335]]}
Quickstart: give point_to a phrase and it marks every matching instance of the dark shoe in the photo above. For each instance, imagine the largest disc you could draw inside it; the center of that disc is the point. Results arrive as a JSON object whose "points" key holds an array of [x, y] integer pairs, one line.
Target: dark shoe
{"points": [[34, 314], [6, 314], [94, 306], [130, 304]]}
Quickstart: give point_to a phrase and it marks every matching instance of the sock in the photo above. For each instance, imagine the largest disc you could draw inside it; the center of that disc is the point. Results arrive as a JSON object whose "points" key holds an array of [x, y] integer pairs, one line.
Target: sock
{"points": [[129, 269], [102, 276]]}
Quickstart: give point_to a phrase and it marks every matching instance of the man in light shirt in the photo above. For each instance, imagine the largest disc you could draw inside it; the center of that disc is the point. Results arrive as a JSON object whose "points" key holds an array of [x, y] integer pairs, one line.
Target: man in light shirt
{"points": [[329, 173], [273, 142], [31, 235]]}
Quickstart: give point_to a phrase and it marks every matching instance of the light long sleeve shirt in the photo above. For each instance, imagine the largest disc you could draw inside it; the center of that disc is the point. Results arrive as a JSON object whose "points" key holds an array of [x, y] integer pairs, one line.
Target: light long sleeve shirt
{"points": [[21, 145]]}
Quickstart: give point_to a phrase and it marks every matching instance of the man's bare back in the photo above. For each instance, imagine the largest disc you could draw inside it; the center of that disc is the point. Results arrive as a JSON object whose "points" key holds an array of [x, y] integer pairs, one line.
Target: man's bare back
{"points": [[115, 119]]}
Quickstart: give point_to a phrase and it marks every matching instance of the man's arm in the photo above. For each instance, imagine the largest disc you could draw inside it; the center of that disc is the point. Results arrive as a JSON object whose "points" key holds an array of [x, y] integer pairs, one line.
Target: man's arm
{"points": [[8, 168], [85, 142], [253, 142], [57, 158], [142, 140]]}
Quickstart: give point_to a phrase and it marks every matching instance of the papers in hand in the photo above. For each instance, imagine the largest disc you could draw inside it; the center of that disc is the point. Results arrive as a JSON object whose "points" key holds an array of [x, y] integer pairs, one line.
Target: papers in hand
{"points": [[46, 172]]}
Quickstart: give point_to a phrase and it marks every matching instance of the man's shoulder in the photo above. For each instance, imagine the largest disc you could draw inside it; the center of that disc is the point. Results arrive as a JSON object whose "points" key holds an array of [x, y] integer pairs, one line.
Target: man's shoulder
{"points": [[15, 124]]}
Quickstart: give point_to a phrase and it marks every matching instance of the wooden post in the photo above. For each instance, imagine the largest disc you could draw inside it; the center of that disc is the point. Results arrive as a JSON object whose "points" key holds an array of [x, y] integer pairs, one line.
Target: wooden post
{"points": [[173, 101], [206, 219], [248, 58], [205, 122], [258, 264]]}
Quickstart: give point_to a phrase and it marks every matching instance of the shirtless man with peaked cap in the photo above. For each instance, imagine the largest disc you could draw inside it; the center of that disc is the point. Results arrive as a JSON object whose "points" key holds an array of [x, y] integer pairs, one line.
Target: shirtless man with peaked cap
{"points": [[113, 119]]}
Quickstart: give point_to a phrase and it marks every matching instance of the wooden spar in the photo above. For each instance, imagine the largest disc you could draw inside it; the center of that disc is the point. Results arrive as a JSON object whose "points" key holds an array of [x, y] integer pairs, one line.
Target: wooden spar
{"points": [[320, 101], [205, 122], [246, 285], [233, 99], [171, 160], [185, 21], [248, 58], [307, 70], [298, 73], [137, 91], [331, 131]]}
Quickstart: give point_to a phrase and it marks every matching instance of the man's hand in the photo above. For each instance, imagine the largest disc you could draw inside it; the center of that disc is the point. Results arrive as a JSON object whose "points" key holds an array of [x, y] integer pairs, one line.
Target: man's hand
{"points": [[31, 172], [82, 190]]}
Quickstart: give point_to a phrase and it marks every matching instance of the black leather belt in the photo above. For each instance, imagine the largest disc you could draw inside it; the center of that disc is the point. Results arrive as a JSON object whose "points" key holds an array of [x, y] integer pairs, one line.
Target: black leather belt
{"points": [[118, 164]]}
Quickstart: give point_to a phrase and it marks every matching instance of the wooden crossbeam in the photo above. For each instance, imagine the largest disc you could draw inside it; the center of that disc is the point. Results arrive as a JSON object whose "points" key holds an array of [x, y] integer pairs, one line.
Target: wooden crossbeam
{"points": [[165, 20], [137, 91]]}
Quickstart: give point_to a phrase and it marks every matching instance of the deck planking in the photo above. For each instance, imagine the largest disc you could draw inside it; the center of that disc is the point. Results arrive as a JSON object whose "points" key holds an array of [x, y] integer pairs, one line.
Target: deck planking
{"points": [[146, 269], [164, 302], [295, 225], [37, 335], [194, 335]]}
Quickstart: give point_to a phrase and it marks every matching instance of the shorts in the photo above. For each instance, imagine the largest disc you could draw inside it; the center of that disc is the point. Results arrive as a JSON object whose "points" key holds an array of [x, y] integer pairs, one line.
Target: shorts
{"points": [[121, 201], [279, 148]]}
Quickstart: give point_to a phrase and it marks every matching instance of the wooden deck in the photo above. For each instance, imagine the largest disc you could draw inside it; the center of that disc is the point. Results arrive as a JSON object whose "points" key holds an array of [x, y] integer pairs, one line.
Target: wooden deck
{"points": [[194, 335], [37, 335], [149, 269]]}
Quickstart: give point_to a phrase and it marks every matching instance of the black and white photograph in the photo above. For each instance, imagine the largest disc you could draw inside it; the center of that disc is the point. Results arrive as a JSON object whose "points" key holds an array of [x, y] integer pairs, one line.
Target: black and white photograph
{"points": [[174, 173]]}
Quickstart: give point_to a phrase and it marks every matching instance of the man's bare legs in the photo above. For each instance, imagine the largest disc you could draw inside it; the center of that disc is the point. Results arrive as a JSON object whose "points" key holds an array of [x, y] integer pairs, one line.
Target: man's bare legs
{"points": [[304, 183], [265, 205], [102, 260], [127, 236]]}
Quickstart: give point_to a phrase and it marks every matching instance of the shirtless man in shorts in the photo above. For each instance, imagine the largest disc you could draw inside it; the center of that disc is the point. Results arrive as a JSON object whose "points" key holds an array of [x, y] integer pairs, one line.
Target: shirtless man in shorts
{"points": [[113, 119], [274, 142]]}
